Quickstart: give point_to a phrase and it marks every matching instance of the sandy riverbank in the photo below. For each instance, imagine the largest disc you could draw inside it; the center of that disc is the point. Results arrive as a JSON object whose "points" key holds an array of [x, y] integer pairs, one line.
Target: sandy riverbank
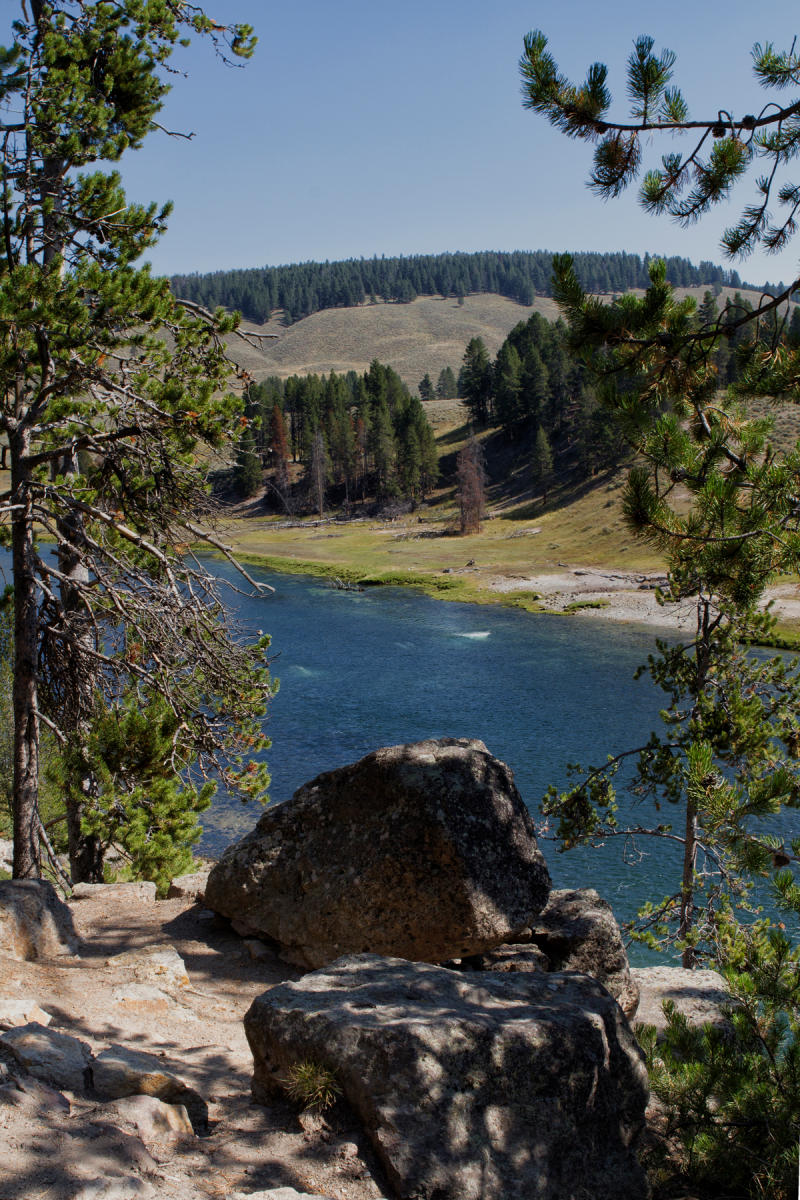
{"points": [[625, 596]]}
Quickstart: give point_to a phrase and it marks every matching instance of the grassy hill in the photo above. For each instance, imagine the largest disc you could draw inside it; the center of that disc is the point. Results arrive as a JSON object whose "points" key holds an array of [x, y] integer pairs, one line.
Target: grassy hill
{"points": [[425, 335]]}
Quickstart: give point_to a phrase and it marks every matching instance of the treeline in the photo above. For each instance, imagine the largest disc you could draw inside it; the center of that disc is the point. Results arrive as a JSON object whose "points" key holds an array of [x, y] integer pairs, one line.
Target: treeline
{"points": [[360, 436], [521, 275]]}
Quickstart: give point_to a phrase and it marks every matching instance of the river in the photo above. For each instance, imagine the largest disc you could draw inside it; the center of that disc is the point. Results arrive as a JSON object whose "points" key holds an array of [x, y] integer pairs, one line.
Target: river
{"points": [[359, 670]]}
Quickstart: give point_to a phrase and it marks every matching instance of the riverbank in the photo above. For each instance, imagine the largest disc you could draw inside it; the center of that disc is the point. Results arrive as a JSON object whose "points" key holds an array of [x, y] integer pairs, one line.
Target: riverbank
{"points": [[508, 563]]}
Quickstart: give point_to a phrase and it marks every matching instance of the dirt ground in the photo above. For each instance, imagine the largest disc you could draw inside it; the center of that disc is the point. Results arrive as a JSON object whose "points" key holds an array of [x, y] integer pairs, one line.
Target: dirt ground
{"points": [[68, 1146], [627, 596]]}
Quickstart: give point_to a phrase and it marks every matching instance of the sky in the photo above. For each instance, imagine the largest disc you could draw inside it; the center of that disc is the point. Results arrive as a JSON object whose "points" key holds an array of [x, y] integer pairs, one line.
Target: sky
{"points": [[369, 127]]}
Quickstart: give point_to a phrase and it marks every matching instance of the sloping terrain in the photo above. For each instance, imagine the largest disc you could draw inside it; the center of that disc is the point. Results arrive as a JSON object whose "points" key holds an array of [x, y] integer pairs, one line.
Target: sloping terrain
{"points": [[426, 335]]}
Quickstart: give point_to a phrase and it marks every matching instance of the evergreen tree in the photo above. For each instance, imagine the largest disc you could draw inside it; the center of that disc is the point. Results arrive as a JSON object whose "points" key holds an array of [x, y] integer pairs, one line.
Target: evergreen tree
{"points": [[107, 385], [793, 332], [542, 460], [248, 465], [141, 804], [508, 387], [384, 451], [446, 388], [476, 381], [425, 388], [429, 468]]}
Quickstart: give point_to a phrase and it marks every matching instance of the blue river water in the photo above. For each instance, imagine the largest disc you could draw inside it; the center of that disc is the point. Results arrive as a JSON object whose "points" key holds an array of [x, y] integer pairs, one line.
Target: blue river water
{"points": [[359, 670]]}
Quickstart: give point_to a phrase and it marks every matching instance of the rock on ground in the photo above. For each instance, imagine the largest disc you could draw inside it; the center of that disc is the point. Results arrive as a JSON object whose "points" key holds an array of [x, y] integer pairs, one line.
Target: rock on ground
{"points": [[119, 1071], [577, 931], [120, 893], [699, 995], [490, 1087], [34, 922], [192, 886], [50, 1056], [424, 851]]}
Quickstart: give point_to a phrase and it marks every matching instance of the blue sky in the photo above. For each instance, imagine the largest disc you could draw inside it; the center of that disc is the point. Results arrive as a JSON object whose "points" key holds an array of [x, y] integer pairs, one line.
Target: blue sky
{"points": [[373, 127]]}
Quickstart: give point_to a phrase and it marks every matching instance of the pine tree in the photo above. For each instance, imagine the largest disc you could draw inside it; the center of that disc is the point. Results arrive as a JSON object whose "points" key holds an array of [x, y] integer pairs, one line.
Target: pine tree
{"points": [[712, 494], [425, 388], [384, 451], [446, 388], [107, 387], [248, 465], [319, 471], [476, 381], [508, 388], [542, 460]]}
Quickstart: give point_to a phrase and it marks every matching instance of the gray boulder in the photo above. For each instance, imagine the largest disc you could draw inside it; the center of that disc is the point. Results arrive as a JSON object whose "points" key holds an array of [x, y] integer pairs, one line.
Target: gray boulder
{"points": [[699, 995], [577, 931], [34, 922], [471, 1087], [423, 851], [50, 1056]]}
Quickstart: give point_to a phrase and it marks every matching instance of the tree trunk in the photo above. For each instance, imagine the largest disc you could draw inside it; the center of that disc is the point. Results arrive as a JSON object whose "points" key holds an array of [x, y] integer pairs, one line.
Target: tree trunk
{"points": [[27, 852], [688, 957], [85, 850], [705, 627]]}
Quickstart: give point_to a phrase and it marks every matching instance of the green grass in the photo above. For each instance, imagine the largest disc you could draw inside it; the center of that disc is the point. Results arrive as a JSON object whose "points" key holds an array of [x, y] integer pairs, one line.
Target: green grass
{"points": [[577, 605]]}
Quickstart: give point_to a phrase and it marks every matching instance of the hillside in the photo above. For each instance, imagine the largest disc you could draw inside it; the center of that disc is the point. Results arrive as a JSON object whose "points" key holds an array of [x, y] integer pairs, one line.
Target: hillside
{"points": [[426, 335]]}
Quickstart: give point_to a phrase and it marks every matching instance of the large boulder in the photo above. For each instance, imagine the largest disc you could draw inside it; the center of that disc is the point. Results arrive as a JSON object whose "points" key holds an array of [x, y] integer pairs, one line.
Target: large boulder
{"points": [[34, 922], [423, 851], [471, 1087]]}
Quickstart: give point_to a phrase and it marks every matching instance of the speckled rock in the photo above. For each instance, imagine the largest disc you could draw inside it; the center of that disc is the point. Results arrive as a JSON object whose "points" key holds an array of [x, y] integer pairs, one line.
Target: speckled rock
{"points": [[190, 887], [121, 893], [424, 851], [34, 923], [119, 1071], [471, 1087]]}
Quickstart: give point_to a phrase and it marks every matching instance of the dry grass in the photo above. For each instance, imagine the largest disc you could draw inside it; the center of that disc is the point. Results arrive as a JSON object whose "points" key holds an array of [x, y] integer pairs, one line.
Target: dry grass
{"points": [[425, 336]]}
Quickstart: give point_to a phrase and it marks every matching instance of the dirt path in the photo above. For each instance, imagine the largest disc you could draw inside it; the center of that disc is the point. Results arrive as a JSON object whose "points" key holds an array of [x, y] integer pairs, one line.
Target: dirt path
{"points": [[61, 1146]]}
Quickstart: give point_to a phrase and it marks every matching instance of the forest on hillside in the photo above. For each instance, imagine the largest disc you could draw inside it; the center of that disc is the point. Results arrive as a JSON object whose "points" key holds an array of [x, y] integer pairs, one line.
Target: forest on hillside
{"points": [[355, 436], [540, 396], [305, 288]]}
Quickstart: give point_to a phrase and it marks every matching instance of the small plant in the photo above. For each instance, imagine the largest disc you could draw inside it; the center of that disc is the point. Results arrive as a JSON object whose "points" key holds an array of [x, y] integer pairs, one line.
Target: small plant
{"points": [[311, 1085]]}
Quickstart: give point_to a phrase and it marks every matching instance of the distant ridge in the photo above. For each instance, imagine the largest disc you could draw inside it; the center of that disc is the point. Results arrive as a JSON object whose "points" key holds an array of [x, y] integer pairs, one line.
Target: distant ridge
{"points": [[304, 288]]}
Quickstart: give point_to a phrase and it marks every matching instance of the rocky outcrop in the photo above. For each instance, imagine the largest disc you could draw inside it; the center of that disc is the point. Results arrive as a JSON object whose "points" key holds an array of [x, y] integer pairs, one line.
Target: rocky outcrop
{"points": [[490, 1087], [576, 931], [34, 923], [424, 851]]}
